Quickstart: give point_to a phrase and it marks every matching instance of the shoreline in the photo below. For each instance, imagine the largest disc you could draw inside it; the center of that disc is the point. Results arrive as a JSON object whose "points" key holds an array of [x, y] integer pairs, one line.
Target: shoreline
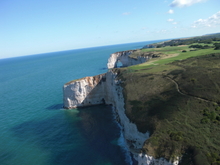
{"points": [[121, 140]]}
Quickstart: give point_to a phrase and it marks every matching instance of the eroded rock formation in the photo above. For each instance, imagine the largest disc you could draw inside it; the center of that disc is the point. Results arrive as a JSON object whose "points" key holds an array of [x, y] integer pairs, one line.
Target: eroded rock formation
{"points": [[84, 92], [124, 58]]}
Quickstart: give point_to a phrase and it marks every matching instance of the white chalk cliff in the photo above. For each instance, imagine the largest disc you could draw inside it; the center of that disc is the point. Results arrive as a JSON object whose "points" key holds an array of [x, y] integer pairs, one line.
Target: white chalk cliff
{"points": [[84, 92], [125, 59], [106, 88]]}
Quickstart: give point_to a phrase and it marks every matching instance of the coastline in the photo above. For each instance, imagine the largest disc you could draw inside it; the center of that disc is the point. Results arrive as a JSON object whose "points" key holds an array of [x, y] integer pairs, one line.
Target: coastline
{"points": [[121, 140], [112, 92], [107, 89]]}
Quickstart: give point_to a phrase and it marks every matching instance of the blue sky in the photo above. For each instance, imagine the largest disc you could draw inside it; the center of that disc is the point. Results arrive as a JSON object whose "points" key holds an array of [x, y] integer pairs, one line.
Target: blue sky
{"points": [[38, 26]]}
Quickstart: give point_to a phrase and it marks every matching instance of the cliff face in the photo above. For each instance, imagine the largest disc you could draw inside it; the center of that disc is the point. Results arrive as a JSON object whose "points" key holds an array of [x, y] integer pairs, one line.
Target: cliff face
{"points": [[84, 92], [105, 88], [90, 91], [124, 58]]}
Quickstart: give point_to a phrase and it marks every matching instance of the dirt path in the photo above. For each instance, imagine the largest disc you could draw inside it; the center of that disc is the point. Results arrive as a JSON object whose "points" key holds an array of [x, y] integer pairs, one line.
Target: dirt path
{"points": [[178, 90]]}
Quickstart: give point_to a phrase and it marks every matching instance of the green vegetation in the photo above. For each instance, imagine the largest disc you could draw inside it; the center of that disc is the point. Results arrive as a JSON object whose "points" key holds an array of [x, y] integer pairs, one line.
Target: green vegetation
{"points": [[206, 39], [211, 116], [217, 46], [176, 97], [199, 46], [169, 54]]}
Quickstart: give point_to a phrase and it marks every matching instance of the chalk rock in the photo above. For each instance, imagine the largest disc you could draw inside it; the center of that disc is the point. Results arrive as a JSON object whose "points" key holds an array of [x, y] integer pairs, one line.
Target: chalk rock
{"points": [[125, 59]]}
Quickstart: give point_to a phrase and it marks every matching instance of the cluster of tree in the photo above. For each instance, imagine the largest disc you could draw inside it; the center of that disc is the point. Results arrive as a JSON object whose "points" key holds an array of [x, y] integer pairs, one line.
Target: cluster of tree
{"points": [[177, 136], [207, 39], [200, 46], [217, 46], [210, 116], [175, 42], [216, 39]]}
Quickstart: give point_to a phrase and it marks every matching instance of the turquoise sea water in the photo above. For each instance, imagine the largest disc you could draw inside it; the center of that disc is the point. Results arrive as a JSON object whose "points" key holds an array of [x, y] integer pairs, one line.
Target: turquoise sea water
{"points": [[36, 130]]}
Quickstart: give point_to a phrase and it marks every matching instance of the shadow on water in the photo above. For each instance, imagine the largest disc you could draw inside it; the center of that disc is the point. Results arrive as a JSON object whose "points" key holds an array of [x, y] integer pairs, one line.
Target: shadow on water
{"points": [[85, 140], [101, 132], [104, 68], [5, 157], [55, 107]]}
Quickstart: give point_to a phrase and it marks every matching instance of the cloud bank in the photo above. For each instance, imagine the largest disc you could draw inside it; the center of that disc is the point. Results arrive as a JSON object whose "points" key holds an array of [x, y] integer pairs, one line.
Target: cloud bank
{"points": [[184, 3], [212, 21]]}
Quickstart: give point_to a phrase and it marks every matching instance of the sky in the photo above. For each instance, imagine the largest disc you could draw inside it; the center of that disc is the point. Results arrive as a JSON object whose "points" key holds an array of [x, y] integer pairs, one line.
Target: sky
{"points": [[38, 26]]}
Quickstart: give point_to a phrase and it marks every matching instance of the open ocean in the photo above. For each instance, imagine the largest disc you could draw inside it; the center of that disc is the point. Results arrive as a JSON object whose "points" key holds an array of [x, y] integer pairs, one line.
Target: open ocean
{"points": [[36, 130]]}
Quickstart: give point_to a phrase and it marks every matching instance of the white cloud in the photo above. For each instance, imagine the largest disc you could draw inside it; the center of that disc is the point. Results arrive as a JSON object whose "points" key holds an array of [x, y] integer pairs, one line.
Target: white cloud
{"points": [[126, 13], [212, 21], [170, 11], [162, 31], [184, 3], [170, 20]]}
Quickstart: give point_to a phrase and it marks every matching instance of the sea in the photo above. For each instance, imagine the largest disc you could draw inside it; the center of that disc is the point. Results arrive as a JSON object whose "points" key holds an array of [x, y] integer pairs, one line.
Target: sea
{"points": [[34, 127]]}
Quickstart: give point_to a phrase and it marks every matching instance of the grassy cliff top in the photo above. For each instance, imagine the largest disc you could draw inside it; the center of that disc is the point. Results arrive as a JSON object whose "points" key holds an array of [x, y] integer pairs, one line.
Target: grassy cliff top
{"points": [[96, 77], [176, 97]]}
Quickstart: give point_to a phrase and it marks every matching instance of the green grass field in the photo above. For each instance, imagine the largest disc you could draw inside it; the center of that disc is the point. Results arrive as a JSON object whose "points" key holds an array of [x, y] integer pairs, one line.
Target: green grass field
{"points": [[172, 50]]}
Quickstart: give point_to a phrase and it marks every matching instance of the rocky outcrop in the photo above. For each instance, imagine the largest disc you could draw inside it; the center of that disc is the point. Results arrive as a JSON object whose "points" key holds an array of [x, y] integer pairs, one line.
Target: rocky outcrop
{"points": [[106, 88], [124, 58]]}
